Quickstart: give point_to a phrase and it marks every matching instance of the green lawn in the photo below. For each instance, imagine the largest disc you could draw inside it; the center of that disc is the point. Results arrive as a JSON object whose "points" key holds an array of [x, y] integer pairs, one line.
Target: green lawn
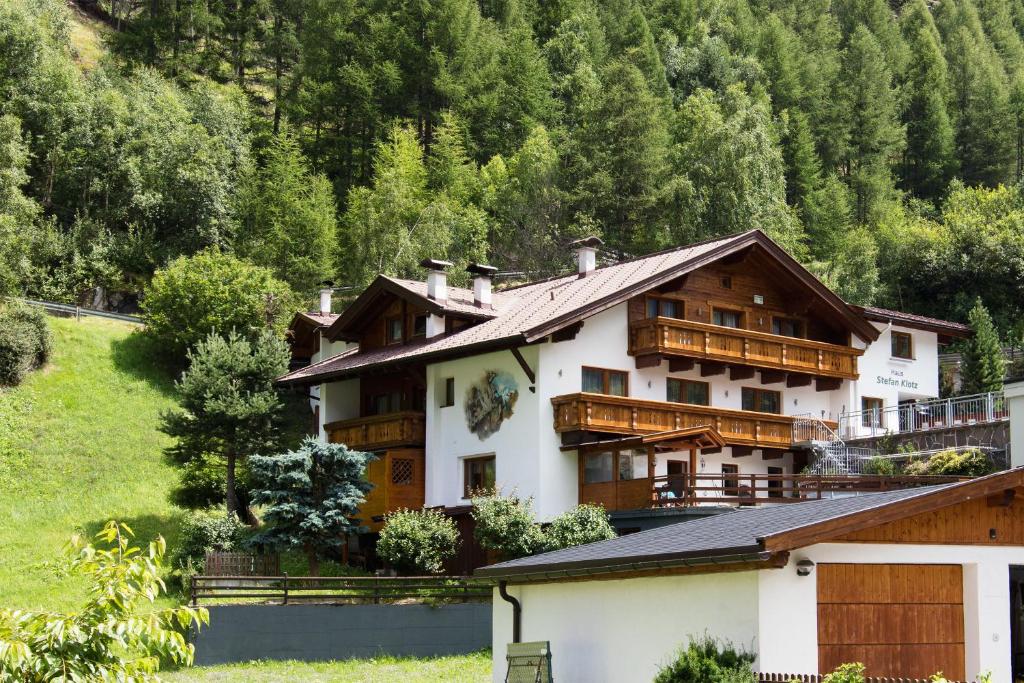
{"points": [[78, 446], [474, 668]]}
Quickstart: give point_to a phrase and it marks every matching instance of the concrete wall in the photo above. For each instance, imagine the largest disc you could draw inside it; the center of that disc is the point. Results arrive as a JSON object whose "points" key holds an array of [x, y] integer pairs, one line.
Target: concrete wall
{"points": [[241, 633], [623, 631], [1014, 392]]}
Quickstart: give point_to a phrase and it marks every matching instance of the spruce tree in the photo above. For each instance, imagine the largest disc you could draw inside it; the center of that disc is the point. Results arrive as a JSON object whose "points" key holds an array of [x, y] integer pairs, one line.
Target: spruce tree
{"points": [[803, 168], [876, 136], [310, 497], [982, 366]]}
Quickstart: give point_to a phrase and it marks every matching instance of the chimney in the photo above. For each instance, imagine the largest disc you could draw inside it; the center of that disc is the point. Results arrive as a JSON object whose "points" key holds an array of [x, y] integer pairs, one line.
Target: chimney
{"points": [[325, 296], [437, 279], [482, 275], [586, 254]]}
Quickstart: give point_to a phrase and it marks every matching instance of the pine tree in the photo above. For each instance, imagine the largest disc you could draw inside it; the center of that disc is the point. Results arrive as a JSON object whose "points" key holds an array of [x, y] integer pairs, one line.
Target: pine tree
{"points": [[630, 36], [876, 137], [929, 160], [311, 497], [982, 366], [803, 168], [876, 17], [229, 406]]}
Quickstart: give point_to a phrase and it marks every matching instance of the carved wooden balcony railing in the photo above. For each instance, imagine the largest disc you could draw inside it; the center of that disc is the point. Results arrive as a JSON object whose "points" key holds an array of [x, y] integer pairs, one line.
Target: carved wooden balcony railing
{"points": [[671, 337], [380, 431], [624, 415]]}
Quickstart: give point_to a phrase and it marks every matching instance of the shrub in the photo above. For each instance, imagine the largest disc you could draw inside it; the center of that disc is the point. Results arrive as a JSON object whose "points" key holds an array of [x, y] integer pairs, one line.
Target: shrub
{"points": [[204, 532], [708, 661], [916, 468], [970, 463], [24, 342], [417, 541], [847, 673], [211, 292], [880, 465], [506, 525], [584, 523]]}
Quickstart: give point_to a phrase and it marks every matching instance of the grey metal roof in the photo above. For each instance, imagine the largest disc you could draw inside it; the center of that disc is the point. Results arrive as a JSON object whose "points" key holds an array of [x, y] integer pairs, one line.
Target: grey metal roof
{"points": [[729, 534]]}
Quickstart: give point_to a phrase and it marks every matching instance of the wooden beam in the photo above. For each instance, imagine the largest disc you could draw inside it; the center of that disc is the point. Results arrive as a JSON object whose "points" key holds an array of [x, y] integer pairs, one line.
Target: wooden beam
{"points": [[772, 453], [680, 364], [740, 372], [742, 451], [651, 360], [827, 383], [567, 333], [772, 376], [1002, 500], [711, 451], [524, 365], [709, 368], [795, 379]]}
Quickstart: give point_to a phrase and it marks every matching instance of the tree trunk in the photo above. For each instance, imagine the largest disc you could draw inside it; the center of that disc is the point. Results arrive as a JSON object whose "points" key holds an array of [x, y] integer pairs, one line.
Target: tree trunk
{"points": [[229, 487], [314, 562]]}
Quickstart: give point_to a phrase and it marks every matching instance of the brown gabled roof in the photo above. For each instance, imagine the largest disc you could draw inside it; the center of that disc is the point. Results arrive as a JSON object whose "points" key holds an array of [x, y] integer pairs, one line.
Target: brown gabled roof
{"points": [[315, 318], [746, 535], [918, 322], [532, 311]]}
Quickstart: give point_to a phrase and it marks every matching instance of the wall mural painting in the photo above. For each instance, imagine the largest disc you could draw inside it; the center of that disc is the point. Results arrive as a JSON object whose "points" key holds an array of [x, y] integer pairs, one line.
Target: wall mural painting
{"points": [[489, 402]]}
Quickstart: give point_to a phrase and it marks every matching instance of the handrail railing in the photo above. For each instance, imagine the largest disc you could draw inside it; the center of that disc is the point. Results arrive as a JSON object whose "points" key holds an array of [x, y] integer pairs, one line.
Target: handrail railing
{"points": [[404, 428], [925, 415], [337, 589], [808, 428], [748, 347]]}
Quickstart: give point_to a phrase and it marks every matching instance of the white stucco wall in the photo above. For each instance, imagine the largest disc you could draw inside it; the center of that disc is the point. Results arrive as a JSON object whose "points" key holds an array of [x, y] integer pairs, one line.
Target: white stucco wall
{"points": [[339, 401], [622, 631]]}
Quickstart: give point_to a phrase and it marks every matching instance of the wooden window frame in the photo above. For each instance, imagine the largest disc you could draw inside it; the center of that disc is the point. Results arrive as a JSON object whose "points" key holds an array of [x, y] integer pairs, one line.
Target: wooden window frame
{"points": [[683, 382], [448, 399], [725, 281], [415, 319], [893, 336], [801, 323], [681, 303], [467, 494], [606, 378], [388, 341], [758, 391], [729, 309]]}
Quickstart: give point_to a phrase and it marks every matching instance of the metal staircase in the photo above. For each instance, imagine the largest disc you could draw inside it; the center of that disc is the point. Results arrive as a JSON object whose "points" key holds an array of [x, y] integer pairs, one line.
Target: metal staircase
{"points": [[829, 453]]}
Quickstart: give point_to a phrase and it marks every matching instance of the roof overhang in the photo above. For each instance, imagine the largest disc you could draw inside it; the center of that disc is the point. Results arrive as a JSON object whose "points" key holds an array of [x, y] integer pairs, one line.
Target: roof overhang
{"points": [[853, 320], [944, 328], [700, 437]]}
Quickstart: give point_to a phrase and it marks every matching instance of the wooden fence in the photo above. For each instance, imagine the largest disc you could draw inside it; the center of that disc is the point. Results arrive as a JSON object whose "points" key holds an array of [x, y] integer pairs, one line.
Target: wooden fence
{"points": [[241, 564], [815, 678], [338, 589]]}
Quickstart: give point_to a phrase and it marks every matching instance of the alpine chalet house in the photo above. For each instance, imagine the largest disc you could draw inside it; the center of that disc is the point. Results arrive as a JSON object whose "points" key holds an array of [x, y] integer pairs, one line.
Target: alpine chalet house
{"points": [[709, 374]]}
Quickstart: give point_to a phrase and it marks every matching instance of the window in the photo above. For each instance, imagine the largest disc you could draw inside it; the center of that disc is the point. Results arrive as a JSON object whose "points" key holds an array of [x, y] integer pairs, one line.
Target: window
{"points": [[611, 382], [448, 400], [687, 391], [762, 400], [597, 468], [787, 327], [727, 318], [731, 480], [726, 281], [902, 345], [393, 328], [478, 475], [871, 411], [401, 471], [632, 465], [419, 325], [666, 308], [382, 404]]}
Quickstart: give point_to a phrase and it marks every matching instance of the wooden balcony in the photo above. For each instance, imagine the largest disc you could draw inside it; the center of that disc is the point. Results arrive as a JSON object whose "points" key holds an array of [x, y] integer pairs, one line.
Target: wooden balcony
{"points": [[624, 415], [380, 431], [685, 338], [685, 490]]}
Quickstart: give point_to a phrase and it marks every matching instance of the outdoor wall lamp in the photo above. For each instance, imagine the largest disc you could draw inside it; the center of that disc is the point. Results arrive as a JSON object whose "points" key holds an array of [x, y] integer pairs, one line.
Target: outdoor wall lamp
{"points": [[804, 567]]}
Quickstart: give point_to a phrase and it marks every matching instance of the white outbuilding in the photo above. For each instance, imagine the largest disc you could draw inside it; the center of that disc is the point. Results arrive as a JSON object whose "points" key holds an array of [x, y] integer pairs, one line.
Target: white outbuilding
{"points": [[908, 582]]}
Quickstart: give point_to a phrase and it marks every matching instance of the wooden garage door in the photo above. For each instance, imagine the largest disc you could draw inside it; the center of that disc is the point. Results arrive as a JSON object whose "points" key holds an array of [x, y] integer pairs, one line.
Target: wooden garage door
{"points": [[898, 619]]}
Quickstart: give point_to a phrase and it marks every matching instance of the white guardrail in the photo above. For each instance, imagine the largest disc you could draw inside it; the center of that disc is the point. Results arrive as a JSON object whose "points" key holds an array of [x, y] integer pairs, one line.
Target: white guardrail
{"points": [[79, 311], [925, 416]]}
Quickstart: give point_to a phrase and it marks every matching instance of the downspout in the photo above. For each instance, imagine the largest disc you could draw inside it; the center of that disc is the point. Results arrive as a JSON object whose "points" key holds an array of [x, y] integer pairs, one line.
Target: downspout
{"points": [[517, 609]]}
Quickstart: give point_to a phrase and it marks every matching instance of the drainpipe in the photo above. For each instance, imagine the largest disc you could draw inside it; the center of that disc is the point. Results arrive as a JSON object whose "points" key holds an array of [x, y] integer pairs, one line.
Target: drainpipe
{"points": [[517, 609]]}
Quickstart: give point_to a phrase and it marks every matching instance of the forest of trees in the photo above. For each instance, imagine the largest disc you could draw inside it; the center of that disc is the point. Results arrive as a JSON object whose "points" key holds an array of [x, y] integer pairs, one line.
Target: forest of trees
{"points": [[882, 143]]}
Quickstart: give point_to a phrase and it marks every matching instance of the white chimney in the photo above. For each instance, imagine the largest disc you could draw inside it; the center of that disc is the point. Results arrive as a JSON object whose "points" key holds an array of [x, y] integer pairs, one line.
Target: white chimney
{"points": [[437, 280], [325, 296], [586, 254], [482, 275]]}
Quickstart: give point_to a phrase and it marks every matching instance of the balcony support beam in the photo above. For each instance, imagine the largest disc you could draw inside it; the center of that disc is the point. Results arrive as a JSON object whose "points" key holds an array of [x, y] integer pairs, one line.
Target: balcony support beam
{"points": [[795, 379], [772, 376], [772, 453], [827, 383], [651, 360], [710, 369], [681, 364], [737, 372], [742, 451]]}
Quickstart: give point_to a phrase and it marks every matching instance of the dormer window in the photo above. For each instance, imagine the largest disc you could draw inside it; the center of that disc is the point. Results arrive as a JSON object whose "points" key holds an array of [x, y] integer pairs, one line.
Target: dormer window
{"points": [[665, 308], [419, 325], [393, 329], [726, 281]]}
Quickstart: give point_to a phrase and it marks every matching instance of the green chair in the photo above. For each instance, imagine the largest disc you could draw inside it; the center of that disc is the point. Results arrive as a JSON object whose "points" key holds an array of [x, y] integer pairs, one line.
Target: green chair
{"points": [[529, 662]]}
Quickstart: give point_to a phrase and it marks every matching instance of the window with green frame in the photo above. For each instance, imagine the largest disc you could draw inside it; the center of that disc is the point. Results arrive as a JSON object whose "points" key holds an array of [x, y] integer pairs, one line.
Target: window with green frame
{"points": [[687, 391], [762, 400]]}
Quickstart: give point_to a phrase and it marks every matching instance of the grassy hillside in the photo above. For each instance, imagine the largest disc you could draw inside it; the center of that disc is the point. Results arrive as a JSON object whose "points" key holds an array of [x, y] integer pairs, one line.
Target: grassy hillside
{"points": [[79, 445]]}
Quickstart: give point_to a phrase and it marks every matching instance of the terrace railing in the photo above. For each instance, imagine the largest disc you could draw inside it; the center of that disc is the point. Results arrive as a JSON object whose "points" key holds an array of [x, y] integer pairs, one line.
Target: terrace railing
{"points": [[406, 428], [337, 589], [925, 415]]}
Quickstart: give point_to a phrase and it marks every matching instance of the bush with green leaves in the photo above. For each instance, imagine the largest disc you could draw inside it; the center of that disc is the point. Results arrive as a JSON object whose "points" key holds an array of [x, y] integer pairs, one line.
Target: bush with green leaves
{"points": [[847, 673], [212, 292], [24, 342], [584, 523], [880, 465], [115, 635], [418, 541], [207, 531], [506, 526], [969, 463], [708, 660]]}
